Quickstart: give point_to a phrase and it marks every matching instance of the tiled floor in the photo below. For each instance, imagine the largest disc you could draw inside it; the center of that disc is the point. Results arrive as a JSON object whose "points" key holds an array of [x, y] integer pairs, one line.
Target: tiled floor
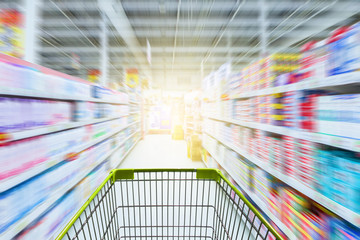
{"points": [[160, 151]]}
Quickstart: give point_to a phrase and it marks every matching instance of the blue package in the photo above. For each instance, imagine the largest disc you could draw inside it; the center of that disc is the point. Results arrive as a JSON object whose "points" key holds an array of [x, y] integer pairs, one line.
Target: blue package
{"points": [[345, 194], [341, 231], [347, 177]]}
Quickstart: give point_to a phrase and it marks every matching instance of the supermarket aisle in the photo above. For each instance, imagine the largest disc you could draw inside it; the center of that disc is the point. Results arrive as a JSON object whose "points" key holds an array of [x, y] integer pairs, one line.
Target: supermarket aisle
{"points": [[159, 151]]}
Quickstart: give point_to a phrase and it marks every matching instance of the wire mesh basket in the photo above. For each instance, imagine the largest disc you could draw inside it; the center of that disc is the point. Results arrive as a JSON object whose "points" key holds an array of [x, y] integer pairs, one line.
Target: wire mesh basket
{"points": [[167, 204]]}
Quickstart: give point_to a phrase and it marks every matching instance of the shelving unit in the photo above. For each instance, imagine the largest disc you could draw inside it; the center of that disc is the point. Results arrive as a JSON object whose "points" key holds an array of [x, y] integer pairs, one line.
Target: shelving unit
{"points": [[13, 181], [39, 210], [7, 137], [128, 151], [254, 198], [352, 78], [192, 122], [338, 209], [334, 141], [87, 39], [104, 132], [54, 96], [290, 124]]}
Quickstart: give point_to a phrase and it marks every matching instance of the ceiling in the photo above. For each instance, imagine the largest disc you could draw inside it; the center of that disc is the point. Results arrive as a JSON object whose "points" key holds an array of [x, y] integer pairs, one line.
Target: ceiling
{"points": [[188, 38]]}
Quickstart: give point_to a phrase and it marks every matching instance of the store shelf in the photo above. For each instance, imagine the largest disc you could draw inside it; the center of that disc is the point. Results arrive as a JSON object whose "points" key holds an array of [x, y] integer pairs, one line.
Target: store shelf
{"points": [[311, 83], [261, 205], [39, 210], [46, 95], [206, 164], [334, 141], [51, 129], [128, 151], [333, 206], [13, 181]]}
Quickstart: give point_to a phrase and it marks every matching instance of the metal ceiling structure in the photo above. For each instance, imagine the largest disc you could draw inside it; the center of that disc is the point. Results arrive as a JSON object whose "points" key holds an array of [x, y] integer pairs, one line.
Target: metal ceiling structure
{"points": [[188, 38]]}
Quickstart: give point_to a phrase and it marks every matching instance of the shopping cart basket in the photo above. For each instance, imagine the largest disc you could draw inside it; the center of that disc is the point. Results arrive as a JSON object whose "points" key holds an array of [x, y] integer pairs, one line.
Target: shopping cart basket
{"points": [[167, 204]]}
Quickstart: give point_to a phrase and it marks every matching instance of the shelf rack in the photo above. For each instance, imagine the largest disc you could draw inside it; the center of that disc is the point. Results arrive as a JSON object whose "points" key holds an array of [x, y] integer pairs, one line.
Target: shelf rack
{"points": [[334, 141], [331, 205], [253, 197], [40, 209], [52, 128], [54, 96], [13, 181], [311, 83]]}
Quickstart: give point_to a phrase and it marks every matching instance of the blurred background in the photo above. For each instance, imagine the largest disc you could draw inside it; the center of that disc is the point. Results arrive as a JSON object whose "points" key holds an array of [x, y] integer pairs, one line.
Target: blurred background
{"points": [[268, 91]]}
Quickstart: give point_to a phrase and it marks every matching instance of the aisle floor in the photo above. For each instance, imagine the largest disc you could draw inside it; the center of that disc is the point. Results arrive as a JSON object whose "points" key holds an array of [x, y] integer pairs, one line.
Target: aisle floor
{"points": [[160, 151]]}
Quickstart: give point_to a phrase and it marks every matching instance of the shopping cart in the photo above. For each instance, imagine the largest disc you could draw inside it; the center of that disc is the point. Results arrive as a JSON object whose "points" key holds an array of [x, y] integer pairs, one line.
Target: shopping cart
{"points": [[167, 204]]}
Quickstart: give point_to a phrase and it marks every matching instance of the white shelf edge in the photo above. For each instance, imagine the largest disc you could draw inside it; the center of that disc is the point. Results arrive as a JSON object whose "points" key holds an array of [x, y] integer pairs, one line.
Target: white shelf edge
{"points": [[9, 183], [333, 206], [134, 102], [257, 200], [136, 112], [352, 144], [40, 209], [54, 128], [41, 94], [312, 83], [206, 164]]}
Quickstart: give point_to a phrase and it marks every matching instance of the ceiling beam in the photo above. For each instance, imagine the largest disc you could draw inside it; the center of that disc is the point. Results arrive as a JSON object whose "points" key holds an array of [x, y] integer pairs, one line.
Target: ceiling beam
{"points": [[160, 33], [196, 6], [116, 15], [225, 6], [142, 22], [332, 19], [236, 49], [162, 67]]}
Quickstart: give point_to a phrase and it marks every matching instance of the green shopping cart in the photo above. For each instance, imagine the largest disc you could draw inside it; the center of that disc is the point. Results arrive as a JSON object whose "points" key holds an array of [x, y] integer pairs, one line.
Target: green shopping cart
{"points": [[167, 204]]}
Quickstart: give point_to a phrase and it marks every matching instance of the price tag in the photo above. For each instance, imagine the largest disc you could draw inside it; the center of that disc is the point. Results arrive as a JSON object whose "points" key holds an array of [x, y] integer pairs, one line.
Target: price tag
{"points": [[357, 146], [5, 137], [357, 220], [72, 156]]}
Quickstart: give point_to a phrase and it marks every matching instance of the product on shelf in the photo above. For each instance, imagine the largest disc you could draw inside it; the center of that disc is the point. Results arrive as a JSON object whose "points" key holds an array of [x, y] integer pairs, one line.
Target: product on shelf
{"points": [[22, 155], [48, 226], [18, 114], [339, 115], [42, 187], [12, 32], [84, 111], [41, 169], [344, 50], [108, 94], [238, 166], [306, 161], [338, 177], [313, 63], [281, 114]]}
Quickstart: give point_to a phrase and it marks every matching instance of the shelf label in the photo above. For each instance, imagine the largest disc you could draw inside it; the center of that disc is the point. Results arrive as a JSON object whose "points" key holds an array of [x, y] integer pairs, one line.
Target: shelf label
{"points": [[357, 220], [5, 137], [72, 156]]}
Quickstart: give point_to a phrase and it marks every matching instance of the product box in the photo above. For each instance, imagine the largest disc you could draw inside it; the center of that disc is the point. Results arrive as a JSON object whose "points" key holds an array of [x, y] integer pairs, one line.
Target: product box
{"points": [[344, 54], [339, 115], [341, 175], [339, 230]]}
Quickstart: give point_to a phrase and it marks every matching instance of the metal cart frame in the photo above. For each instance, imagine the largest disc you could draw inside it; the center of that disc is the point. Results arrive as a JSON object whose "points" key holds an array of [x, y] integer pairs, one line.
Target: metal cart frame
{"points": [[167, 204]]}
